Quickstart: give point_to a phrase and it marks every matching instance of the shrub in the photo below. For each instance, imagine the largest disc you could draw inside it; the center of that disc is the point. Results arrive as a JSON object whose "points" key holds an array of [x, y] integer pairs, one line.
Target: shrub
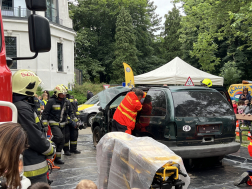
{"points": [[79, 91]]}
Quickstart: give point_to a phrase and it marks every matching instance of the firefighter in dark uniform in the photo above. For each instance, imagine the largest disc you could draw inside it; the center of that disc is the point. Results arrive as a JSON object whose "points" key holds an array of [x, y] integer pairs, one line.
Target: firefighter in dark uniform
{"points": [[24, 86], [37, 105], [71, 132], [55, 114]]}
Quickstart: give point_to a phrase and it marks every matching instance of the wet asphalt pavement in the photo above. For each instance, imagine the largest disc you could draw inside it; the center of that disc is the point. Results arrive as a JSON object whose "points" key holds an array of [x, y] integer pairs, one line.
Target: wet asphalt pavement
{"points": [[203, 175]]}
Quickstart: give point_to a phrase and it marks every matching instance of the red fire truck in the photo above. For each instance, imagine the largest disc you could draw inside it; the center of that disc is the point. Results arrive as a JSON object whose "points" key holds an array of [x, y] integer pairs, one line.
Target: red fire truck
{"points": [[40, 41]]}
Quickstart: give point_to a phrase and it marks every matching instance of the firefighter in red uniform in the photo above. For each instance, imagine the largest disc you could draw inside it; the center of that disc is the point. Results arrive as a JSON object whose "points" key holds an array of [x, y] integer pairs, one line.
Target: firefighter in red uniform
{"points": [[125, 115]]}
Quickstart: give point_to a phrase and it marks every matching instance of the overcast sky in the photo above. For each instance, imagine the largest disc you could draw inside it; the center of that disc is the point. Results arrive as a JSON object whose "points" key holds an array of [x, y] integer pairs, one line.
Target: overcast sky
{"points": [[163, 6]]}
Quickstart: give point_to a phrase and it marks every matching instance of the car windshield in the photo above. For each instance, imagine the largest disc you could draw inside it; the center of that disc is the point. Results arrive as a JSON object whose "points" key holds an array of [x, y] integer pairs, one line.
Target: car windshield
{"points": [[93, 100], [200, 104], [117, 101]]}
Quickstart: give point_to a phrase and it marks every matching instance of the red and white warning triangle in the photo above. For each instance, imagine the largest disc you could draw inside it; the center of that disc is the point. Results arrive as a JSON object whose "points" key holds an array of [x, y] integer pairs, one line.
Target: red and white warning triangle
{"points": [[189, 82]]}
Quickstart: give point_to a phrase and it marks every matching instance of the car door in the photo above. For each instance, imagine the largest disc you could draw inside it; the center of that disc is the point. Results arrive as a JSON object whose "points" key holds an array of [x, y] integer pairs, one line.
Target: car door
{"points": [[153, 116], [111, 108]]}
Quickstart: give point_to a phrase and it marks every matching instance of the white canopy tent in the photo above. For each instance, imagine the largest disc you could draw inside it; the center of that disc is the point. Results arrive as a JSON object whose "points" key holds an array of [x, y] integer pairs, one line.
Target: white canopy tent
{"points": [[176, 72]]}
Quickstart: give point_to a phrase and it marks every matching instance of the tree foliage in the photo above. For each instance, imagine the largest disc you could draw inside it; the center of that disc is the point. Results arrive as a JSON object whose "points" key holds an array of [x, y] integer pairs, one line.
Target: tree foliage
{"points": [[215, 34], [95, 23], [231, 73], [172, 46], [125, 46]]}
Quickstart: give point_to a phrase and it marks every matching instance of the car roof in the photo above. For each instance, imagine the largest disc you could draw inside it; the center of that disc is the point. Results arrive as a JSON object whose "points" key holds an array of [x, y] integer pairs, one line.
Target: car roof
{"points": [[186, 88]]}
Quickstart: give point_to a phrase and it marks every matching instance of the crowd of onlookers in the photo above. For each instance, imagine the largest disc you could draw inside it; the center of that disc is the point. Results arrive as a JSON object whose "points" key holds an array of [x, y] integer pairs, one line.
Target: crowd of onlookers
{"points": [[244, 106]]}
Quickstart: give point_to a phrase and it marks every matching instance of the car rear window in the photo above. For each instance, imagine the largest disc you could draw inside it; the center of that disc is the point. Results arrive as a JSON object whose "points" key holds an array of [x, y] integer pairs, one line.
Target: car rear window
{"points": [[200, 104]]}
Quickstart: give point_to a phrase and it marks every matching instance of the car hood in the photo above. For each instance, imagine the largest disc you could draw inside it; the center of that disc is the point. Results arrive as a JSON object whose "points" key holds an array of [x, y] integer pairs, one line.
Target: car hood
{"points": [[107, 95], [84, 106]]}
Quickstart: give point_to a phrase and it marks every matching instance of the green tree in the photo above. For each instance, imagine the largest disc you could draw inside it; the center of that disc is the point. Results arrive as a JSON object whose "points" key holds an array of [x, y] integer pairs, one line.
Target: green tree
{"points": [[125, 45], [95, 22], [214, 33], [231, 73], [172, 46]]}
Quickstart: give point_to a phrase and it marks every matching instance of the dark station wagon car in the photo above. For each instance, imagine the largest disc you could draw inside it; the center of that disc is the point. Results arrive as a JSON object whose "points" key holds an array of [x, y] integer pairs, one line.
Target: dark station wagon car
{"points": [[194, 122]]}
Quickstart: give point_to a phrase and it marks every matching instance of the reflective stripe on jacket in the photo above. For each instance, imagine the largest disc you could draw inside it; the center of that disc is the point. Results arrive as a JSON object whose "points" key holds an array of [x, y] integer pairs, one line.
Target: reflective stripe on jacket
{"points": [[39, 147], [37, 105], [45, 101], [126, 112]]}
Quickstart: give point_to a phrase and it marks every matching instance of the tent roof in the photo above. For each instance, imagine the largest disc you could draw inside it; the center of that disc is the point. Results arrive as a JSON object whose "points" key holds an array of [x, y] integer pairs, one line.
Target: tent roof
{"points": [[177, 72]]}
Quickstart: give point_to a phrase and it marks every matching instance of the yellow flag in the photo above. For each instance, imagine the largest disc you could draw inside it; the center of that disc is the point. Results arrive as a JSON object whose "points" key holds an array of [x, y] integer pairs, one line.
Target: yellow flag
{"points": [[129, 76]]}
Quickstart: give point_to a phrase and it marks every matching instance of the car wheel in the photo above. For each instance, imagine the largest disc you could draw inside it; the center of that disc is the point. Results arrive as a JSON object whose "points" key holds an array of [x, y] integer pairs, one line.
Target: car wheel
{"points": [[96, 135], [90, 119]]}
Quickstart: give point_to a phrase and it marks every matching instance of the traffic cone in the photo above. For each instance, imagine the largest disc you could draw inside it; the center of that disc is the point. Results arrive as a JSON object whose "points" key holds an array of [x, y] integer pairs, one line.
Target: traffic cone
{"points": [[249, 134], [237, 128]]}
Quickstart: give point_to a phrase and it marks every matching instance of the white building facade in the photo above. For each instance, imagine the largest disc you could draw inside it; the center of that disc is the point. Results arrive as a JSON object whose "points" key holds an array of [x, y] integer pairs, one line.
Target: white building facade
{"points": [[55, 67]]}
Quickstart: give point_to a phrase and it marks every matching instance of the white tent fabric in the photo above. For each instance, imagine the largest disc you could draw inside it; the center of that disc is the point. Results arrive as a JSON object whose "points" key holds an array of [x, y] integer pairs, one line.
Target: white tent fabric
{"points": [[176, 72]]}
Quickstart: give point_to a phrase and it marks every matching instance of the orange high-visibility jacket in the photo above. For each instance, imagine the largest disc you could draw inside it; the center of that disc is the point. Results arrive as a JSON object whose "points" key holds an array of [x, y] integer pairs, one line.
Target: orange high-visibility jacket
{"points": [[126, 112]]}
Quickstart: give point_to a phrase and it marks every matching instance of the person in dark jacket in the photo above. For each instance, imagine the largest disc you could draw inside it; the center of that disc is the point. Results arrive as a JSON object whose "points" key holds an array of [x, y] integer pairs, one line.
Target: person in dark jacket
{"points": [[24, 86], [55, 114], [245, 95], [89, 95]]}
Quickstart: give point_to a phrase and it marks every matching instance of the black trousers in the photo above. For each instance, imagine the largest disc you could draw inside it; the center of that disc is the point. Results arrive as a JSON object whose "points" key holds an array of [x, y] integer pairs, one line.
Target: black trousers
{"points": [[118, 127], [58, 139], [40, 178], [70, 134]]}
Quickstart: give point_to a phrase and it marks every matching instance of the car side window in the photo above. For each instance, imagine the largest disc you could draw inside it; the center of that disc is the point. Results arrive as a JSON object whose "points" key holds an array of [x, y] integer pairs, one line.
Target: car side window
{"points": [[156, 101], [117, 101]]}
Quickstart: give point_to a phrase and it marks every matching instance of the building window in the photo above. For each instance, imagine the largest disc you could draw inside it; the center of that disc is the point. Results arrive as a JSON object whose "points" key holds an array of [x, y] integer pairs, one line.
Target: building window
{"points": [[60, 56], [51, 11], [11, 49], [7, 4]]}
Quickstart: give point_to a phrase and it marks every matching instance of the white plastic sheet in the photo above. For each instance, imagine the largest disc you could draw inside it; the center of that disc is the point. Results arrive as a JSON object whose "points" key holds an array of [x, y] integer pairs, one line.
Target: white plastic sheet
{"points": [[125, 161]]}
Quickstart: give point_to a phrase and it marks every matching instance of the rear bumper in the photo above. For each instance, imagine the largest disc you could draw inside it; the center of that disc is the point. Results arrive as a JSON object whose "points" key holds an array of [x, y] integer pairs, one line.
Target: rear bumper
{"points": [[187, 152]]}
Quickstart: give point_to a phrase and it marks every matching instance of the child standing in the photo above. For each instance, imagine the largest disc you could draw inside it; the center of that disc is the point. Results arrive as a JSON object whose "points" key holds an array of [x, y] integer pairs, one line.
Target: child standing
{"points": [[234, 106], [241, 108]]}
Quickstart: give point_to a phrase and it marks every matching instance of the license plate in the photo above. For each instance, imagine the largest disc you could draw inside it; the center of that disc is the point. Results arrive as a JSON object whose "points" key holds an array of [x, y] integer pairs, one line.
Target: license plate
{"points": [[208, 128]]}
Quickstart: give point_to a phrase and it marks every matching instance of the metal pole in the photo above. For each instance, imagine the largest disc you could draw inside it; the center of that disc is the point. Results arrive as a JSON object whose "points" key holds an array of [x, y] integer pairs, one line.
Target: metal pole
{"points": [[19, 11]]}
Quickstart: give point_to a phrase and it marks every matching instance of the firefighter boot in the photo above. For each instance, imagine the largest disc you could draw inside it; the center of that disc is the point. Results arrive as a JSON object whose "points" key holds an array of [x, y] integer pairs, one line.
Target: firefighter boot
{"points": [[58, 161], [242, 179], [73, 147], [66, 149], [75, 151], [67, 153]]}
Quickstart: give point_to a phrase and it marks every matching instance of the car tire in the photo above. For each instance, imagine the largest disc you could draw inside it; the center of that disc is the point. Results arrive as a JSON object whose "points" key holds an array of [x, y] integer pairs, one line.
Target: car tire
{"points": [[90, 118], [96, 135]]}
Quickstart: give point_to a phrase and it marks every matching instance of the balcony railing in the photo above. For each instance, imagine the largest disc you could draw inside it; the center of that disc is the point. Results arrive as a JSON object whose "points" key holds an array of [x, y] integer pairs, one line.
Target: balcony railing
{"points": [[15, 11], [24, 12]]}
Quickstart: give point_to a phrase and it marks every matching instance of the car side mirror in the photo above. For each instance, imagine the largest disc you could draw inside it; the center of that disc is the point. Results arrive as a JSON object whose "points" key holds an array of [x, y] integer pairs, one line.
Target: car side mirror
{"points": [[39, 34], [36, 5], [100, 109]]}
